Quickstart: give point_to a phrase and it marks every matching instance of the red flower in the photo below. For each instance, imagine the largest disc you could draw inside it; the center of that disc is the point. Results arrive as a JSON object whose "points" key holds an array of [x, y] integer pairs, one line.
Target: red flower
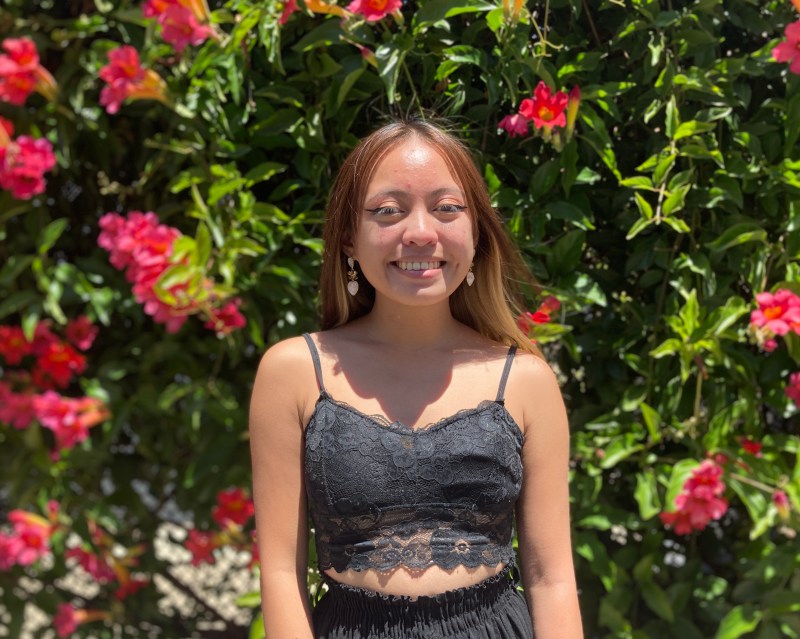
{"points": [[752, 447], [201, 545], [13, 345], [374, 10], [789, 51], [514, 125], [546, 109], [233, 506], [227, 319], [779, 313], [793, 389], [66, 620], [21, 74], [81, 332], [23, 163], [180, 28], [58, 363], [130, 586], [699, 502], [127, 80]]}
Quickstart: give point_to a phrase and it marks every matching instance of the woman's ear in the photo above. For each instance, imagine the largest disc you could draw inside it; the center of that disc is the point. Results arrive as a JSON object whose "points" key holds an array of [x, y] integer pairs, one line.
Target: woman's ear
{"points": [[347, 247]]}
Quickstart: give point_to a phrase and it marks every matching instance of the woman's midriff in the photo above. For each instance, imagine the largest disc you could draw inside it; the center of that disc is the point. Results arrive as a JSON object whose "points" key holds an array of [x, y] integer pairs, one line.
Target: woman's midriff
{"points": [[405, 583]]}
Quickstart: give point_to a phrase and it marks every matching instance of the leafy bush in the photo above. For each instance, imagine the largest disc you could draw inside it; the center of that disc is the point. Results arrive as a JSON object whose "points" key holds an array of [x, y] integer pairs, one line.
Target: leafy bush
{"points": [[654, 214]]}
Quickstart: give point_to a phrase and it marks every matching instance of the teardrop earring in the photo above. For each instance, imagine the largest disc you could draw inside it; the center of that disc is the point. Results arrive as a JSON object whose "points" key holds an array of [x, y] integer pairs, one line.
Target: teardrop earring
{"points": [[352, 275], [470, 276]]}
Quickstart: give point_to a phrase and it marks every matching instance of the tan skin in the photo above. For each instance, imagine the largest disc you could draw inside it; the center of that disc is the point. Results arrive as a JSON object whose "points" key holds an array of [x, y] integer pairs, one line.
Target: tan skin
{"points": [[410, 360]]}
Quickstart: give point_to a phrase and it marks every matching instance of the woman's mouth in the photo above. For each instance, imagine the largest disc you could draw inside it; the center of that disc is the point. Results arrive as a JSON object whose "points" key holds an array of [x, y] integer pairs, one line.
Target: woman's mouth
{"points": [[409, 265]]}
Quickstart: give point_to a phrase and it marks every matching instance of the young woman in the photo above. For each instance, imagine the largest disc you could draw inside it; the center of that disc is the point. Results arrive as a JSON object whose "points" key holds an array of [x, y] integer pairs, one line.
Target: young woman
{"points": [[417, 424]]}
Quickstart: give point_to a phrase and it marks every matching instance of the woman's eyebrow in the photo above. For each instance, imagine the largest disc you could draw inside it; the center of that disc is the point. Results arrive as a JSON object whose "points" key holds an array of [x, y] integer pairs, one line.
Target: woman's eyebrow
{"points": [[399, 193]]}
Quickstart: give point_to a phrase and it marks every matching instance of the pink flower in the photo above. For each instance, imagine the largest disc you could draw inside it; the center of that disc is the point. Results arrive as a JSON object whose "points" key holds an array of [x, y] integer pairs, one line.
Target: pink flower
{"points": [[233, 506], [227, 319], [92, 564], [180, 28], [546, 109], [700, 500], [127, 80], [30, 539], [66, 620], [23, 163], [21, 74], [288, 9], [789, 51], [69, 419], [779, 313], [793, 389], [514, 125], [201, 545], [81, 332], [374, 10], [781, 501]]}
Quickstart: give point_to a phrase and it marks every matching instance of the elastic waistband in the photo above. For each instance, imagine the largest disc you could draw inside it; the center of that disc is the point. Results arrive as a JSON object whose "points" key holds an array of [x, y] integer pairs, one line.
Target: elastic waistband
{"points": [[361, 601]]}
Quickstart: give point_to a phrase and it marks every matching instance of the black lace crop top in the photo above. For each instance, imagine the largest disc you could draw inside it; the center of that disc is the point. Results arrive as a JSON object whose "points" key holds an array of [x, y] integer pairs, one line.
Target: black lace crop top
{"points": [[383, 495]]}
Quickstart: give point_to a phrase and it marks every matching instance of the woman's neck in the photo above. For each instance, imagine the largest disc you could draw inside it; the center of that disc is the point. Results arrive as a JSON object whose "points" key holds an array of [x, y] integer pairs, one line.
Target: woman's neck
{"points": [[411, 327]]}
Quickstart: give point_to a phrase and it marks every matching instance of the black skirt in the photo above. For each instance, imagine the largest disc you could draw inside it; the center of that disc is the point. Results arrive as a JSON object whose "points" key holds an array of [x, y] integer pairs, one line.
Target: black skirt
{"points": [[491, 609]]}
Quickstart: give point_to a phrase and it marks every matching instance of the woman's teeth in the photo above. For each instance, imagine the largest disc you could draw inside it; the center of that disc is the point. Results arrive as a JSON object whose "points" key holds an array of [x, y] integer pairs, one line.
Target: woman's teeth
{"points": [[418, 266]]}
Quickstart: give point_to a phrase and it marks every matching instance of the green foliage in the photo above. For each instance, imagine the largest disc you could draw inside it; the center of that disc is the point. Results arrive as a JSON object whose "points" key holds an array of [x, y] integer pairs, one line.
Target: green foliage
{"points": [[676, 202]]}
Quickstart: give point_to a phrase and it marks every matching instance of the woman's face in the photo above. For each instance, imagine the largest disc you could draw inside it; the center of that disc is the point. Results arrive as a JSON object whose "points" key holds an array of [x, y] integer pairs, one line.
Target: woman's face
{"points": [[414, 242]]}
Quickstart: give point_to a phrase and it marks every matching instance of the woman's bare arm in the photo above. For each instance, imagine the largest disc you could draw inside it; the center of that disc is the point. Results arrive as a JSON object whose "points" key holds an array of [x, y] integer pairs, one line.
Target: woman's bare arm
{"points": [[543, 507], [276, 444]]}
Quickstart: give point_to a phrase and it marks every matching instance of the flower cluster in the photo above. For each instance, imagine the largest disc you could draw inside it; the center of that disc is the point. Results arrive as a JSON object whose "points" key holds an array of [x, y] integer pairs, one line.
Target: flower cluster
{"points": [[182, 21], [778, 314], [29, 393], [29, 539], [232, 512], [107, 562], [789, 49], [369, 10], [700, 500], [553, 115], [126, 79], [527, 320], [145, 249], [21, 73]]}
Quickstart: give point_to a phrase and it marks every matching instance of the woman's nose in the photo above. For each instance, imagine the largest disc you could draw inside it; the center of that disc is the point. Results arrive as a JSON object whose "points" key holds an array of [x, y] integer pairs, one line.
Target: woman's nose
{"points": [[420, 227]]}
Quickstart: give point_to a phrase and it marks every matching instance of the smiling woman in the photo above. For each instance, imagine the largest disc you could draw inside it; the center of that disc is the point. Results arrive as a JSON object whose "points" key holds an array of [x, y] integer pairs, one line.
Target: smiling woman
{"points": [[409, 429]]}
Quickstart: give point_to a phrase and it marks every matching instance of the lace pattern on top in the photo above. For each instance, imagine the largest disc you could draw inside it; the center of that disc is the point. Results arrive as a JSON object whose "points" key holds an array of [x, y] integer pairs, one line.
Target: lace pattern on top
{"points": [[382, 494]]}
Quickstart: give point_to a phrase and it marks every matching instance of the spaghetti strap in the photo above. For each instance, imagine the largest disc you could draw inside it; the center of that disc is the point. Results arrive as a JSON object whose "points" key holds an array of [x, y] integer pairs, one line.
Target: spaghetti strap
{"points": [[317, 367], [502, 389]]}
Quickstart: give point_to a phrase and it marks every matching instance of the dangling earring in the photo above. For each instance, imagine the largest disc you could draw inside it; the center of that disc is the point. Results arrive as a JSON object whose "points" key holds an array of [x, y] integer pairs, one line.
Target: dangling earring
{"points": [[470, 276], [352, 275]]}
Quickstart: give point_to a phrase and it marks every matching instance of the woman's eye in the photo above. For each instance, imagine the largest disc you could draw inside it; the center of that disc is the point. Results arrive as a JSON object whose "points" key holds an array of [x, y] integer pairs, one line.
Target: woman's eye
{"points": [[451, 208], [384, 210]]}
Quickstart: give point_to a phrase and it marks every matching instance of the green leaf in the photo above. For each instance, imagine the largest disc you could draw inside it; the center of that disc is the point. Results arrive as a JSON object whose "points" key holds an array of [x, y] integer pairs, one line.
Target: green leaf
{"points": [[433, 12], [692, 127], [249, 600], [680, 473], [738, 234], [646, 494], [49, 236], [620, 448], [390, 58], [652, 420], [675, 200], [739, 621], [644, 206], [657, 600], [17, 301]]}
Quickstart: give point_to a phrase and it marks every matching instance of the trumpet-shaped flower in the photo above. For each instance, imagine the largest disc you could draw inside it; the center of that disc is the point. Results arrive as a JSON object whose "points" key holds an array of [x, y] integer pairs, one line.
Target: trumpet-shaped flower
{"points": [[201, 545], [81, 332], [233, 506], [30, 539], [226, 319], [514, 125], [792, 390], [789, 50], [23, 163], [69, 419], [374, 10], [180, 28], [126, 79], [700, 500], [546, 109], [777, 312], [21, 74]]}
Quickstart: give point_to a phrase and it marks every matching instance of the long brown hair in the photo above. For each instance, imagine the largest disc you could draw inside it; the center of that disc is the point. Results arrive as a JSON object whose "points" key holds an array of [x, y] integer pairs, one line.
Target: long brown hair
{"points": [[491, 305]]}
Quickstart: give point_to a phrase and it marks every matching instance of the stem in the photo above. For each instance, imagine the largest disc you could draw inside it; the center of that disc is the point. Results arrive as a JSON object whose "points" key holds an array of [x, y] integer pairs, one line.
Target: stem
{"points": [[413, 90], [698, 393], [752, 482], [592, 26]]}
